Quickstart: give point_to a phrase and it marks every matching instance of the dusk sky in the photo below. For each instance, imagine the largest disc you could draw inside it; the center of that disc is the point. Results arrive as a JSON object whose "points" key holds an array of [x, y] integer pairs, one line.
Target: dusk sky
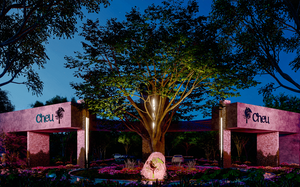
{"points": [[57, 79]]}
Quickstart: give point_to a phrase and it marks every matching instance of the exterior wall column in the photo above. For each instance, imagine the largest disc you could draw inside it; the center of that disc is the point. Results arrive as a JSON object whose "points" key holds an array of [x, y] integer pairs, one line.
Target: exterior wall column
{"points": [[289, 148], [38, 146], [83, 136], [81, 148], [268, 149], [226, 148], [224, 137]]}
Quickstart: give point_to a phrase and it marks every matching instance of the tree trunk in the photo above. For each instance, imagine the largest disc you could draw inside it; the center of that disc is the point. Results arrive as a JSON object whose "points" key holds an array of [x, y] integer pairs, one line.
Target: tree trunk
{"points": [[71, 154], [154, 121], [158, 145], [214, 153], [207, 154], [126, 148]]}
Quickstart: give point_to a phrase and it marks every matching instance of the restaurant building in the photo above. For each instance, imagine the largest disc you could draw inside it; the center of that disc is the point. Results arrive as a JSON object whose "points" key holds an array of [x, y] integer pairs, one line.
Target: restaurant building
{"points": [[277, 131]]}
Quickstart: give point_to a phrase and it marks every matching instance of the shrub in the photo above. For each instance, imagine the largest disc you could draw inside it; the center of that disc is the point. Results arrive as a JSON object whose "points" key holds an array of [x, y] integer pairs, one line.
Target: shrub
{"points": [[191, 164], [129, 164]]}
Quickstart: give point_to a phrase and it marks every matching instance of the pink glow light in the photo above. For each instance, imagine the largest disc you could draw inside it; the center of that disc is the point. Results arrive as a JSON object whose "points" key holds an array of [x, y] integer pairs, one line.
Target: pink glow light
{"points": [[155, 167]]}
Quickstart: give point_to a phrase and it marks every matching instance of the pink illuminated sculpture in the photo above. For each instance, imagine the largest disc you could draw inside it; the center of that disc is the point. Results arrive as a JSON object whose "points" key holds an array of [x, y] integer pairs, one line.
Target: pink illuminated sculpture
{"points": [[155, 167]]}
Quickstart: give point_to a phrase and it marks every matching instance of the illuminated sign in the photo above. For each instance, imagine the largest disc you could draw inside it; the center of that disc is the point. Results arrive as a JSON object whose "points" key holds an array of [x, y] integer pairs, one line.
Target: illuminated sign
{"points": [[256, 117], [43, 118], [49, 117]]}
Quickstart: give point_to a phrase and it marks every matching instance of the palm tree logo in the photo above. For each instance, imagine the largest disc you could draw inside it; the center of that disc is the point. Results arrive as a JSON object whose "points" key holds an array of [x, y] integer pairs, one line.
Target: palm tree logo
{"points": [[59, 114], [247, 114]]}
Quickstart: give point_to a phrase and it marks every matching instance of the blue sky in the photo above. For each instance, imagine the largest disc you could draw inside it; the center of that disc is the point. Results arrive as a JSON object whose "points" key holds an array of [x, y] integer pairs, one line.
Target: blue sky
{"points": [[57, 79]]}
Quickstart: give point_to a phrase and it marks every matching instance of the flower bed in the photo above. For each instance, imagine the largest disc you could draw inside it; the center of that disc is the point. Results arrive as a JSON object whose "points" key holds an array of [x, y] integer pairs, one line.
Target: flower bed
{"points": [[119, 172], [205, 176]]}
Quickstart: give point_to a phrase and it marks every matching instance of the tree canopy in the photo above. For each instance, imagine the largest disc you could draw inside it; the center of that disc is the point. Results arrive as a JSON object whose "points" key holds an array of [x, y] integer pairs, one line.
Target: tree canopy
{"points": [[283, 102], [54, 100], [5, 103], [26, 26], [163, 61], [263, 31]]}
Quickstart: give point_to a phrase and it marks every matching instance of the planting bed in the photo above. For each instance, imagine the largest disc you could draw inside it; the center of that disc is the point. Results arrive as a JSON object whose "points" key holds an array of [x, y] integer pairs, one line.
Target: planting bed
{"points": [[202, 175]]}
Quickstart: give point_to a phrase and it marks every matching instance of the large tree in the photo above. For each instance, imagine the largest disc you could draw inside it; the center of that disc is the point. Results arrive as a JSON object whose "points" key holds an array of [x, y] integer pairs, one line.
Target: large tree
{"points": [[164, 61], [25, 27], [263, 31]]}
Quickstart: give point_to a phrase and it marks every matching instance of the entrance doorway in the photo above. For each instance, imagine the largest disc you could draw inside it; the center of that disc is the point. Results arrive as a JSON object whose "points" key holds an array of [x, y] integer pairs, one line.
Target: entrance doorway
{"points": [[244, 148], [63, 148]]}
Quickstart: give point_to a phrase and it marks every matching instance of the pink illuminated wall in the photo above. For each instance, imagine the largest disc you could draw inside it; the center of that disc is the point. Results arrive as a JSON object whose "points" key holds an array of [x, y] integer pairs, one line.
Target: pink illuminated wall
{"points": [[262, 118], [38, 149], [41, 118], [40, 121], [278, 138], [278, 131], [268, 149]]}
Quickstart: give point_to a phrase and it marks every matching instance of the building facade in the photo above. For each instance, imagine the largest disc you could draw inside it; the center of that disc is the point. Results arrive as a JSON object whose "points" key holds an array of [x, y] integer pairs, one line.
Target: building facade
{"points": [[277, 131], [39, 122]]}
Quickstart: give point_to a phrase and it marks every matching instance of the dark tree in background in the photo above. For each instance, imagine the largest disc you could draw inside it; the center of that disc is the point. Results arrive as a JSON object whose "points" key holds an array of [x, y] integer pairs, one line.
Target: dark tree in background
{"points": [[209, 142], [26, 26], [187, 140], [5, 103], [101, 140], [129, 139], [283, 102], [63, 147], [54, 100], [37, 104], [263, 31], [164, 61]]}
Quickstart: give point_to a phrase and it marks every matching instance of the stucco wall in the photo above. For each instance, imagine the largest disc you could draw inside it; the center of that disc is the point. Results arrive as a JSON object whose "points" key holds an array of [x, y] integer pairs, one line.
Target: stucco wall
{"points": [[268, 149], [227, 149], [81, 151], [260, 119], [41, 118], [289, 148], [270, 119], [38, 146]]}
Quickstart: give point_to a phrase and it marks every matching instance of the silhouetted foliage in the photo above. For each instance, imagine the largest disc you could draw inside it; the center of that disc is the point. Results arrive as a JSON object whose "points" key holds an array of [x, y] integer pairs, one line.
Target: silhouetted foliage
{"points": [[37, 104], [283, 102], [5, 103], [209, 142], [128, 139], [55, 100], [100, 140], [261, 31], [26, 26]]}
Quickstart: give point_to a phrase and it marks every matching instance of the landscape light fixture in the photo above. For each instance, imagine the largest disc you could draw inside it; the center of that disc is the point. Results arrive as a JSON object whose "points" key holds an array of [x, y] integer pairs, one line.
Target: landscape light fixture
{"points": [[87, 122], [221, 138], [153, 114]]}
